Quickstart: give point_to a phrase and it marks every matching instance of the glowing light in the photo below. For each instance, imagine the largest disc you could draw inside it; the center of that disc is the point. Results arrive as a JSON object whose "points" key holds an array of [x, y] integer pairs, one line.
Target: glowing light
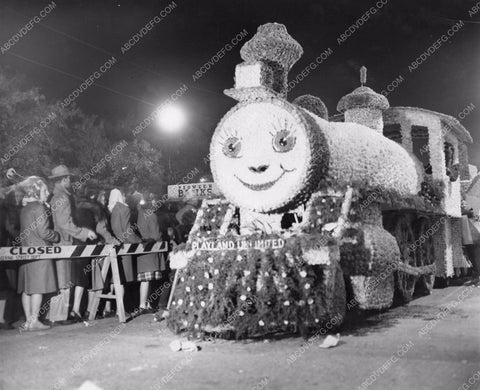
{"points": [[170, 118]]}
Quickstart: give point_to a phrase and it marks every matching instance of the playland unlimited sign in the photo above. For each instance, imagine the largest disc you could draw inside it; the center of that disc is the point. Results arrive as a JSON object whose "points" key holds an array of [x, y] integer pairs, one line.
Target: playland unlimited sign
{"points": [[231, 245]]}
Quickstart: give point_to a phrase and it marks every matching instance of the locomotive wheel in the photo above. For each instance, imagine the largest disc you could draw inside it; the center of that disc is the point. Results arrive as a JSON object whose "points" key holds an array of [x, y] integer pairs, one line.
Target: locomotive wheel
{"points": [[425, 256], [405, 283]]}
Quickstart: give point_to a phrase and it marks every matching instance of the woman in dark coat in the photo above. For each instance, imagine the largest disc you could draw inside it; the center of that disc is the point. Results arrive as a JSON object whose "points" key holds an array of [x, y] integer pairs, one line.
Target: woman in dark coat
{"points": [[149, 266], [35, 277], [9, 230], [91, 214], [104, 229], [124, 232]]}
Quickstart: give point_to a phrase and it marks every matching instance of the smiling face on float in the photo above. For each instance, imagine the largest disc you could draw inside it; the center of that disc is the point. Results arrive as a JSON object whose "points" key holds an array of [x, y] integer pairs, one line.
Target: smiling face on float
{"points": [[260, 154]]}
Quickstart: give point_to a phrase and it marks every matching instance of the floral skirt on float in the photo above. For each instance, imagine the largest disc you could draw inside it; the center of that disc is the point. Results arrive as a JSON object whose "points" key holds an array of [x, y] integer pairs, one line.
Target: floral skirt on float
{"points": [[259, 291]]}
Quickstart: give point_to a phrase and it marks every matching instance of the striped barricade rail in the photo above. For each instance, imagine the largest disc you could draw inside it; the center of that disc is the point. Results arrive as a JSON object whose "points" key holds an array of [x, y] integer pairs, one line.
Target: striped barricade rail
{"points": [[109, 252], [19, 253]]}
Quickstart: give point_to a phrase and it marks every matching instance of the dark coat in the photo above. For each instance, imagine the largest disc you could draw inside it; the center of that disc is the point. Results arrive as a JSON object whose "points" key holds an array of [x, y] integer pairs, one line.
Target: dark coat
{"points": [[149, 229], [120, 221], [92, 215], [63, 223], [36, 277], [121, 227]]}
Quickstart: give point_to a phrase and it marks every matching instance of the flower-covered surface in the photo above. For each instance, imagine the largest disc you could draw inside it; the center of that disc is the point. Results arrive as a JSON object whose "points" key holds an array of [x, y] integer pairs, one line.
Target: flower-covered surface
{"points": [[322, 210], [459, 260], [313, 104], [367, 250], [259, 291], [363, 97], [211, 217], [363, 158], [371, 118], [264, 156], [441, 128], [253, 81], [253, 75], [273, 45], [432, 191], [373, 292], [268, 156], [247, 276]]}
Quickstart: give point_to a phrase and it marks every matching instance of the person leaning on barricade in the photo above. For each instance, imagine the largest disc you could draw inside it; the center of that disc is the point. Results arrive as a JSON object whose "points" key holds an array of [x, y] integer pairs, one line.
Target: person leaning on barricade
{"points": [[37, 277], [90, 214], [124, 232], [104, 226], [67, 274]]}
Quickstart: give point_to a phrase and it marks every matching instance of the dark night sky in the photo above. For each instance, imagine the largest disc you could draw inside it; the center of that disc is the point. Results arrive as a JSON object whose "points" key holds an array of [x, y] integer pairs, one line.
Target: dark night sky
{"points": [[79, 36]]}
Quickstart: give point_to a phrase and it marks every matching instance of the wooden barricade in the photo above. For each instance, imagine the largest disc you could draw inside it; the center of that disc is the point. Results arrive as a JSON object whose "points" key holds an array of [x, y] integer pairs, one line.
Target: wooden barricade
{"points": [[110, 252]]}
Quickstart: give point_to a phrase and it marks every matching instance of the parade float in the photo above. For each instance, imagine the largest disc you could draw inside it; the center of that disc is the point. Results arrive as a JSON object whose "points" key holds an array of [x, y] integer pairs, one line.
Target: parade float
{"points": [[318, 214]]}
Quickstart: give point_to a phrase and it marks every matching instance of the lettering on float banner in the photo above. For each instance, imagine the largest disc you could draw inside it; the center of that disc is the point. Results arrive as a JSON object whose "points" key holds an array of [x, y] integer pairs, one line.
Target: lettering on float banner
{"points": [[232, 245], [30, 252]]}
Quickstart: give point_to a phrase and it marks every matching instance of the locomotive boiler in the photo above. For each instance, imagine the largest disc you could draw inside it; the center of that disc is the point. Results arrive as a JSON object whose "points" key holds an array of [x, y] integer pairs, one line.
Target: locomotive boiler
{"points": [[319, 214]]}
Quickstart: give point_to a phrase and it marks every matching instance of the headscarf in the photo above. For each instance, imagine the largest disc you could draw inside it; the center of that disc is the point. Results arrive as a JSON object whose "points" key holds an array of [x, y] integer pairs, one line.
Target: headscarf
{"points": [[32, 186], [115, 196]]}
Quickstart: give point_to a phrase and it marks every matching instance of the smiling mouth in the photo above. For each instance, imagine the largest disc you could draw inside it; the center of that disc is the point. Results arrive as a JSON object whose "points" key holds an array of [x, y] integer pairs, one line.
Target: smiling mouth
{"points": [[264, 186]]}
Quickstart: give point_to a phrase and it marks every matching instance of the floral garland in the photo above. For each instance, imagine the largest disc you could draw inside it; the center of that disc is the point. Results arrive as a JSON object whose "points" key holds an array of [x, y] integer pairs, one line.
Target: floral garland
{"points": [[255, 291], [432, 191]]}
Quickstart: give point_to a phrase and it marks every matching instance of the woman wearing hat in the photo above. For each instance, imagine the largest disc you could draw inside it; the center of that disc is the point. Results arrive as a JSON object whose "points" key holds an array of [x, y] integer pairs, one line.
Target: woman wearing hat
{"points": [[35, 277]]}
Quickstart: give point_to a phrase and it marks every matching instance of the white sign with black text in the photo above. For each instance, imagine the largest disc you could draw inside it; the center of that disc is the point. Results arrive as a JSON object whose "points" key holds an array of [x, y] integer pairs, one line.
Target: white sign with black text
{"points": [[193, 190]]}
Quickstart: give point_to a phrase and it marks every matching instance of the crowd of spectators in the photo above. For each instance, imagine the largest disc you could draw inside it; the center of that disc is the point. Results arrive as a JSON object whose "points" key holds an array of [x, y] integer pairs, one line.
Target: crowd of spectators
{"points": [[53, 291]]}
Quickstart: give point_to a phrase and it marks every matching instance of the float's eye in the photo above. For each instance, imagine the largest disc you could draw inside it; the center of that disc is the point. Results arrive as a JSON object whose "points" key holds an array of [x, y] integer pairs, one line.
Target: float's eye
{"points": [[231, 147], [283, 141]]}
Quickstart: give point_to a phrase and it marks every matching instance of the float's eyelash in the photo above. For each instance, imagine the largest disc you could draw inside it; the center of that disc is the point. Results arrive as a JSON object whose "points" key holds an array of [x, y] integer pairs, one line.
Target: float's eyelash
{"points": [[229, 133], [279, 127]]}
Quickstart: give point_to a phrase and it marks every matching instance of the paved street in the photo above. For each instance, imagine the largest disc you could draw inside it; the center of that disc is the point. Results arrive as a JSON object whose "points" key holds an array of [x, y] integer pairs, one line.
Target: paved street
{"points": [[432, 343]]}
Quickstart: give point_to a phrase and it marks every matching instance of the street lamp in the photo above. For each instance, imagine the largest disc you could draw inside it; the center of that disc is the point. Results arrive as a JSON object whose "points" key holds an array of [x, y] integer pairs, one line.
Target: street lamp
{"points": [[170, 118]]}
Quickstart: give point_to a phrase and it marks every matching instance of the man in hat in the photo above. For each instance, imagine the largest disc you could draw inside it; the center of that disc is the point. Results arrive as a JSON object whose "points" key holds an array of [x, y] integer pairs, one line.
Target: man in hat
{"points": [[61, 203]]}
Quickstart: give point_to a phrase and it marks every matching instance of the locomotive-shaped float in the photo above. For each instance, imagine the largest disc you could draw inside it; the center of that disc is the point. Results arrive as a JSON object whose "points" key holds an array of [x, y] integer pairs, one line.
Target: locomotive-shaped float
{"points": [[318, 215]]}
